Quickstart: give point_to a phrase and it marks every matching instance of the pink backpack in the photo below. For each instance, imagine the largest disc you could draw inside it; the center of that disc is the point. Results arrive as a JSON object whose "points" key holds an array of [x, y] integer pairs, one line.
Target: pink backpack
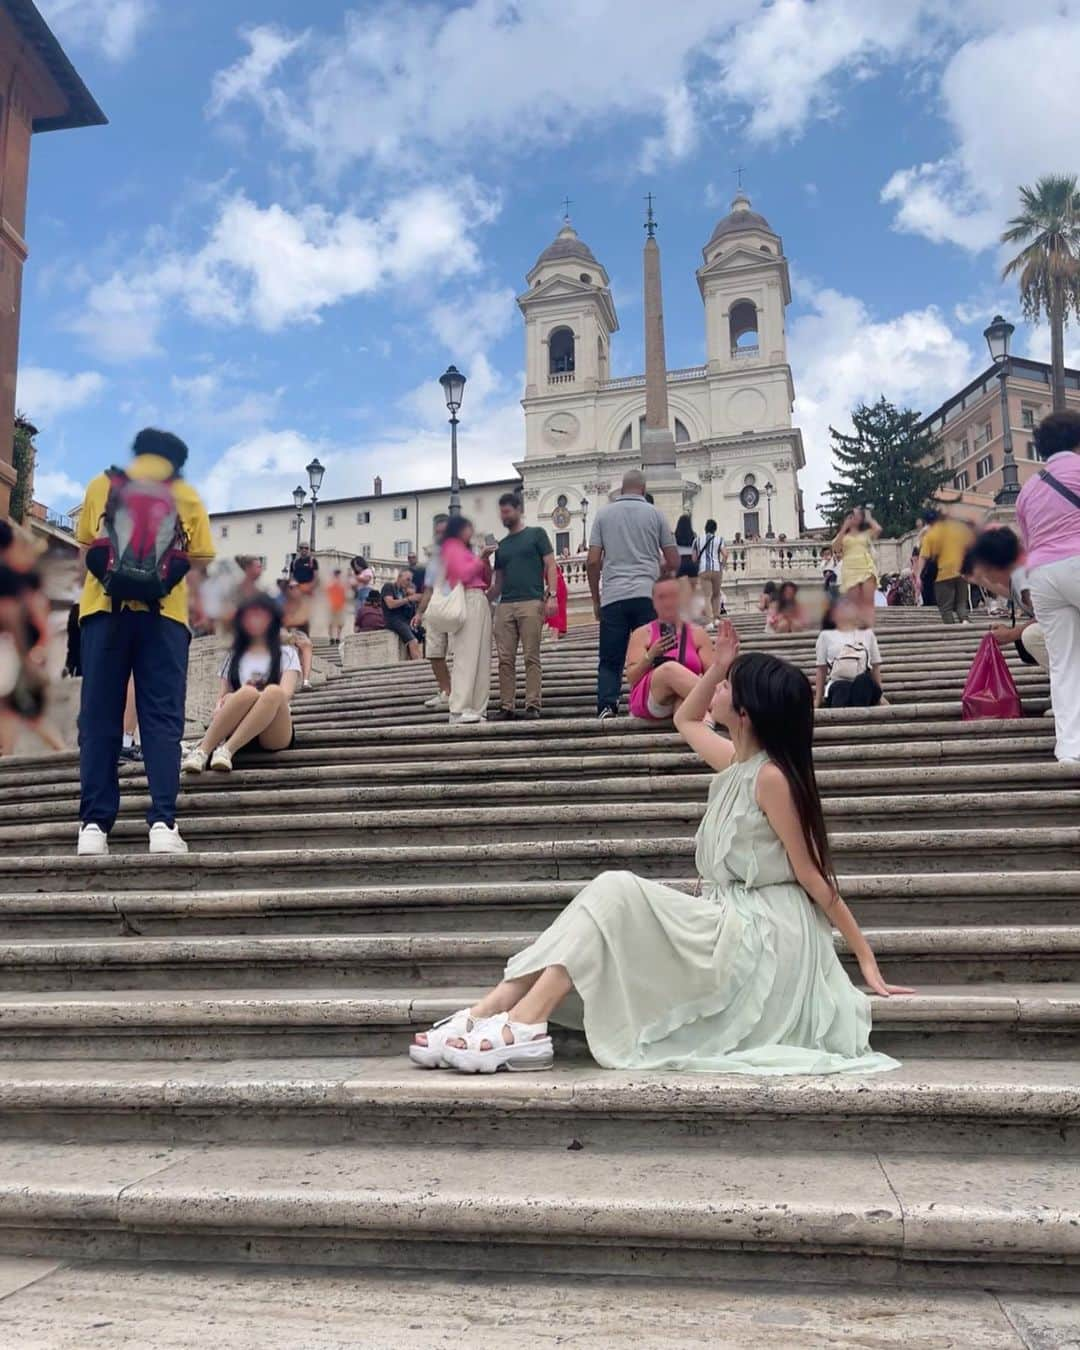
{"points": [[141, 553]]}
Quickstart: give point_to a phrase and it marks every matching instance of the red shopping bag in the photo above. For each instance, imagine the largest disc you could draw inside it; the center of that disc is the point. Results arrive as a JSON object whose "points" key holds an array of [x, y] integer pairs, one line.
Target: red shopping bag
{"points": [[990, 690]]}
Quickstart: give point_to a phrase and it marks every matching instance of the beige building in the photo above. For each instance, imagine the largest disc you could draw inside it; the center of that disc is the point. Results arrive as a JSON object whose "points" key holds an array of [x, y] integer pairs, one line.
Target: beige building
{"points": [[382, 526], [968, 426]]}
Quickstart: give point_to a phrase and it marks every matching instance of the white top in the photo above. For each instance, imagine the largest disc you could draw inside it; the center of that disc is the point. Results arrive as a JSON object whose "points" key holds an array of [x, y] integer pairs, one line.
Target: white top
{"points": [[255, 665], [710, 552], [832, 641]]}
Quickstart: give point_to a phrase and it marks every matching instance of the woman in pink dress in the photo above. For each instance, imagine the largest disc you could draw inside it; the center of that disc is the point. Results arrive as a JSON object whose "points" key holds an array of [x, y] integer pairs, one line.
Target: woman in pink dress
{"points": [[665, 657], [557, 621], [470, 676]]}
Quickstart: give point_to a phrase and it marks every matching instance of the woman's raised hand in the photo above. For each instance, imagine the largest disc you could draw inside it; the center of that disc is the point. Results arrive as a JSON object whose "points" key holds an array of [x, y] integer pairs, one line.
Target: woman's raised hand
{"points": [[725, 646]]}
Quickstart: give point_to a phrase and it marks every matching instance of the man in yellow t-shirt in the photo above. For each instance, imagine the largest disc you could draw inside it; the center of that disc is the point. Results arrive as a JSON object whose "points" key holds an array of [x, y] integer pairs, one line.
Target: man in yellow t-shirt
{"points": [[947, 541], [136, 641]]}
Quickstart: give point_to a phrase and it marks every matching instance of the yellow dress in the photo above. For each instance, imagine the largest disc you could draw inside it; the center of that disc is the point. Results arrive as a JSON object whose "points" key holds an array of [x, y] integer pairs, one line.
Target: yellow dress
{"points": [[859, 563]]}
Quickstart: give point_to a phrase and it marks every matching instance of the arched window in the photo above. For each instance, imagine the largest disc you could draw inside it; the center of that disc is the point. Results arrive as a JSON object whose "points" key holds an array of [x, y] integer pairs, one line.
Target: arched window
{"points": [[561, 352], [744, 328], [750, 480], [601, 359], [681, 433], [626, 440], [561, 499]]}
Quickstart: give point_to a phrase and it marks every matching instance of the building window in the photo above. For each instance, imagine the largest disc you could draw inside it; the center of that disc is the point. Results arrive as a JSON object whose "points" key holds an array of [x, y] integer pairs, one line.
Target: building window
{"points": [[1032, 453], [743, 324], [363, 517], [364, 551], [984, 435], [561, 352], [329, 522], [258, 527], [961, 481], [750, 480], [1028, 415], [960, 452], [224, 531], [562, 543], [681, 433], [402, 548], [984, 466], [401, 513], [562, 499], [751, 525]]}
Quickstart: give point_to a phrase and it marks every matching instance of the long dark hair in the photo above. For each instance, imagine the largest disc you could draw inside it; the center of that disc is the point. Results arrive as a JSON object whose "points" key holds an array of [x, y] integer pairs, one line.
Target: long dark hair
{"points": [[456, 527], [776, 697], [241, 640], [684, 530]]}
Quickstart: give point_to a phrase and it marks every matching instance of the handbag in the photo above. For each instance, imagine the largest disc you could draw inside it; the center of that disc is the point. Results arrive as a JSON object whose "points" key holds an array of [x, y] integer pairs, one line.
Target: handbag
{"points": [[446, 610], [990, 690]]}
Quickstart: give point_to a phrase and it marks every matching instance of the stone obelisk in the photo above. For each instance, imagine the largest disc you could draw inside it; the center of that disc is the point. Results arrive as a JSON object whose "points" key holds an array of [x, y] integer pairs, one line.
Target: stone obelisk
{"points": [[657, 440]]}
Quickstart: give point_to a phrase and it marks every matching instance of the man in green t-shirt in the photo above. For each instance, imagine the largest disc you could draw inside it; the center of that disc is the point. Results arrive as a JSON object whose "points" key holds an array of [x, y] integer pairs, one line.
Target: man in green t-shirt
{"points": [[525, 585]]}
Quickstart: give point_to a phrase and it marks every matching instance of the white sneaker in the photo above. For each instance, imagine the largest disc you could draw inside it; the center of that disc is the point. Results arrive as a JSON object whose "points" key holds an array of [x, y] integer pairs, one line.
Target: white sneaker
{"points": [[221, 759], [194, 761], [437, 701], [1049, 712], [472, 717], [166, 839], [93, 842], [306, 686]]}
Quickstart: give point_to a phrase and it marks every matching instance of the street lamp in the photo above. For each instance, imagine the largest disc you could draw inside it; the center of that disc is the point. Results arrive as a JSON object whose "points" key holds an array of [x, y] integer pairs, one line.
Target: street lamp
{"points": [[298, 501], [769, 490], [584, 524], [315, 473], [453, 383], [997, 339]]}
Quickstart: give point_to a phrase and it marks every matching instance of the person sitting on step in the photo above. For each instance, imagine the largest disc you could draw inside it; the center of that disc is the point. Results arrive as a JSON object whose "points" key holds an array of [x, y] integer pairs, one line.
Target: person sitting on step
{"points": [[744, 978], [847, 660], [258, 679], [665, 657]]}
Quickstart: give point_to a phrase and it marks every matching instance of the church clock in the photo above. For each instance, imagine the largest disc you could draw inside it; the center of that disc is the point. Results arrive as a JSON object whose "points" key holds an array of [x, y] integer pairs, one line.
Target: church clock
{"points": [[561, 430], [749, 496]]}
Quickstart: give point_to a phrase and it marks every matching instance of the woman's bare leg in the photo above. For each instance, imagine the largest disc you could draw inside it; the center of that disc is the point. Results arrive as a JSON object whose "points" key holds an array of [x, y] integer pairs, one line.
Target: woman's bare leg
{"points": [[228, 717], [500, 999], [258, 718], [278, 735], [671, 683]]}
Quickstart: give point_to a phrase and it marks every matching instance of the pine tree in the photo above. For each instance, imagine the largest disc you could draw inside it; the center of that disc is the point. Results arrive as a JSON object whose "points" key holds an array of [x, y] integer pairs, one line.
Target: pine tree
{"points": [[888, 462]]}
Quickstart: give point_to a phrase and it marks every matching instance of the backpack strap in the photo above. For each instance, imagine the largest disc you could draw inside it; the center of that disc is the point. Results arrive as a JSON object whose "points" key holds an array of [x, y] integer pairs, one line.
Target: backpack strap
{"points": [[1058, 486]]}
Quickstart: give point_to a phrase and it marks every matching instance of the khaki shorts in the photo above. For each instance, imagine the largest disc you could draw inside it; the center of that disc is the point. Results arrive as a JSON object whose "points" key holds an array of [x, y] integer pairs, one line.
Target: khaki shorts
{"points": [[436, 645]]}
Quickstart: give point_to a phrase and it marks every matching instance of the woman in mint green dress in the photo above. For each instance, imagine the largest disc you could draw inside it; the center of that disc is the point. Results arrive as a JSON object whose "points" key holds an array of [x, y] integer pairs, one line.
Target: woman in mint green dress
{"points": [[742, 978]]}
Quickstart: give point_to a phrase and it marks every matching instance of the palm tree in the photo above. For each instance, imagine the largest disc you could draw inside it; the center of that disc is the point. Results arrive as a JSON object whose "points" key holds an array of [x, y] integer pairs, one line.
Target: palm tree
{"points": [[1049, 263]]}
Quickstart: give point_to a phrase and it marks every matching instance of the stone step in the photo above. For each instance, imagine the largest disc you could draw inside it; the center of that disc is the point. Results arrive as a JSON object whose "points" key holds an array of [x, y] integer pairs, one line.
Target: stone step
{"points": [[1000, 1222], [658, 817], [919, 956], [931, 900], [959, 1106], [999, 1020], [679, 775], [51, 1303]]}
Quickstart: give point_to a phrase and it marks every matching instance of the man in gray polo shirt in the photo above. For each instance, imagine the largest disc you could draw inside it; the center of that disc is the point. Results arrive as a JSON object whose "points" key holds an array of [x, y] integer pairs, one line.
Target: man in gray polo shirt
{"points": [[629, 535]]}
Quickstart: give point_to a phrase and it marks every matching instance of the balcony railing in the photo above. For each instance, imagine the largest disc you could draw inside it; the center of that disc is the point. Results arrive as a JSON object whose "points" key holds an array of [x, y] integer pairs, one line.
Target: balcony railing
{"points": [[745, 353], [561, 377], [674, 377]]}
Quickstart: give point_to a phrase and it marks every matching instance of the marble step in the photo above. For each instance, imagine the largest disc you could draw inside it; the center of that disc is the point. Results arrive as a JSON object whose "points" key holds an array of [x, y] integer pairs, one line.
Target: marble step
{"points": [[889, 1217], [999, 1020], [961, 1106], [50, 1303], [662, 816], [917, 956], [929, 900]]}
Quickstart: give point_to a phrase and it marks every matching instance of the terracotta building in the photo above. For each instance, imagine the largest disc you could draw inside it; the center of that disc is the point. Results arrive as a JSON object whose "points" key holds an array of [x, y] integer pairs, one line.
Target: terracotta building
{"points": [[41, 91], [968, 426]]}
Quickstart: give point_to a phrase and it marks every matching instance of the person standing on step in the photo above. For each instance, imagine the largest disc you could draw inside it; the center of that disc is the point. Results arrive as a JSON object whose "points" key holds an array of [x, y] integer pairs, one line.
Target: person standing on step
{"points": [[337, 598], [1048, 514], [858, 566], [470, 679], [630, 545], [665, 657], [946, 543], [526, 586], [744, 978], [258, 679], [712, 559], [436, 645], [134, 622]]}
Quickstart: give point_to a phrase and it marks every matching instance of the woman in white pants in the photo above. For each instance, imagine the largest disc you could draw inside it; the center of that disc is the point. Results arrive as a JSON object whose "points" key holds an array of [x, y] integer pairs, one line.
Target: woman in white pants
{"points": [[1048, 513], [470, 677]]}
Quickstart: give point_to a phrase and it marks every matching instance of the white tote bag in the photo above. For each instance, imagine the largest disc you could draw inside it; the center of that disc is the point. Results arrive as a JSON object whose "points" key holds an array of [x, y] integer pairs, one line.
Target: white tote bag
{"points": [[446, 610]]}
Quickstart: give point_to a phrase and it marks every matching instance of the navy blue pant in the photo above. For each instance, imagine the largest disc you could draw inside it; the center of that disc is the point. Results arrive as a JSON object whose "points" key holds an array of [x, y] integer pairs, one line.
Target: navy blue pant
{"points": [[155, 650], [617, 621]]}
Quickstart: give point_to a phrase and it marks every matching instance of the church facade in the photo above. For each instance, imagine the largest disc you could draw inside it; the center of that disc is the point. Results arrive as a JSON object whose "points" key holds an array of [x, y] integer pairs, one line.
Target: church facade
{"points": [[736, 452]]}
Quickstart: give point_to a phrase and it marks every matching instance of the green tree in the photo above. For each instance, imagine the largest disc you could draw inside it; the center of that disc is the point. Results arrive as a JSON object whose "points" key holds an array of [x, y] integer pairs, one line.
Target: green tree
{"points": [[1048, 266], [889, 462], [24, 454]]}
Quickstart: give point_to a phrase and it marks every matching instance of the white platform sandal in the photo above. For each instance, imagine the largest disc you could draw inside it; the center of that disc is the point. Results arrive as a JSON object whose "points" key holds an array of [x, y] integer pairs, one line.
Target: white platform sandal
{"points": [[530, 1049], [430, 1056]]}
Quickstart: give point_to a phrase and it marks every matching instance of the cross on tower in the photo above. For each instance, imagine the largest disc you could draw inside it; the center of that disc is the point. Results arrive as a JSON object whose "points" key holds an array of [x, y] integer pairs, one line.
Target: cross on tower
{"points": [[566, 209], [739, 173], [650, 219]]}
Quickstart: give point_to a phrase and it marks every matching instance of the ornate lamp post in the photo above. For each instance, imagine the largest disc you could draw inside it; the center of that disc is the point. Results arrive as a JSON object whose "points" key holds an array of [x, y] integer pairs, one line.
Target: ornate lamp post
{"points": [[453, 383], [584, 524], [997, 337], [298, 497], [315, 473], [769, 490]]}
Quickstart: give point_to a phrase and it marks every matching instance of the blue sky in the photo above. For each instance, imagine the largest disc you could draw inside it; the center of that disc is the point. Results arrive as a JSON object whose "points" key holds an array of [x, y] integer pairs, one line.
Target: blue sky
{"points": [[300, 213]]}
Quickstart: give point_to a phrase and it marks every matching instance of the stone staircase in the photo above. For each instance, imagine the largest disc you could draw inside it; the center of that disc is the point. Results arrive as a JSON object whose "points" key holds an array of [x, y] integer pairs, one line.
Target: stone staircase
{"points": [[204, 1054]]}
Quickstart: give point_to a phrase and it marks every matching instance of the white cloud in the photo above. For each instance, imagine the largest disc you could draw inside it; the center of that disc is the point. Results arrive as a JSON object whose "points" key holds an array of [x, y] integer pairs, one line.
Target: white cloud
{"points": [[1012, 118], [272, 267], [112, 26], [842, 355], [43, 395], [470, 325], [268, 49], [56, 489], [680, 133]]}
